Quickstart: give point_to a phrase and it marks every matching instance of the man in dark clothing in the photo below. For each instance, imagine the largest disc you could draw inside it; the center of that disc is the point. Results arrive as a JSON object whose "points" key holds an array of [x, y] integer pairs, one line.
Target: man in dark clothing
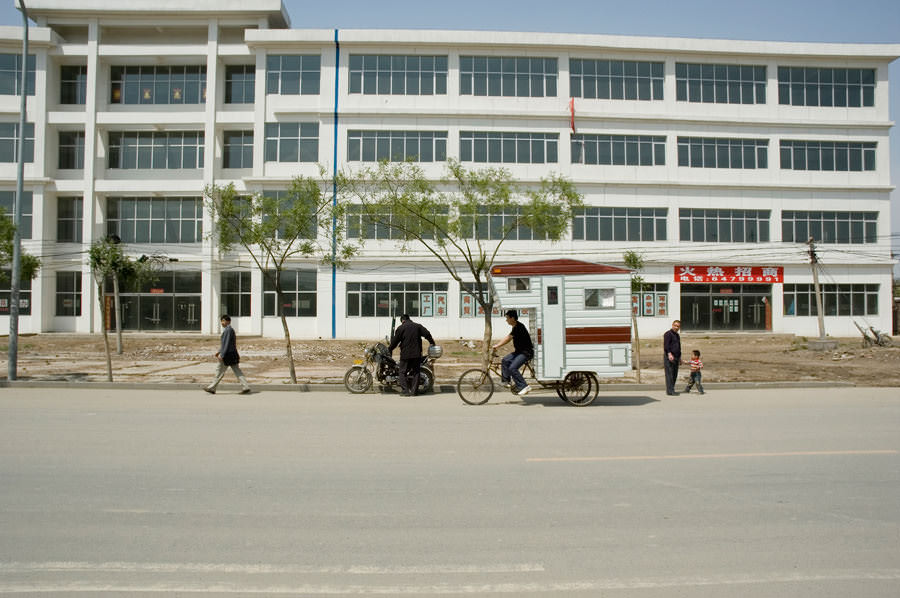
{"points": [[672, 356], [409, 336], [228, 357], [523, 350]]}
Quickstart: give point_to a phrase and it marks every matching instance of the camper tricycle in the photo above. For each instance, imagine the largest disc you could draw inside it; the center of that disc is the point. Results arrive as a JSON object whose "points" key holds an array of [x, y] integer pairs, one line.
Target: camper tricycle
{"points": [[581, 326]]}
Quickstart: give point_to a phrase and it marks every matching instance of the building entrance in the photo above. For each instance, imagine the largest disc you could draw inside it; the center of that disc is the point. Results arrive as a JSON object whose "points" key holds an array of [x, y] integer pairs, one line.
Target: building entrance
{"points": [[726, 307], [170, 303]]}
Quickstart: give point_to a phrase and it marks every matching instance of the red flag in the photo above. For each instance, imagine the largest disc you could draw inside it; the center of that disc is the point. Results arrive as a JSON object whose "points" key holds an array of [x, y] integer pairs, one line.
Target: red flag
{"points": [[572, 113]]}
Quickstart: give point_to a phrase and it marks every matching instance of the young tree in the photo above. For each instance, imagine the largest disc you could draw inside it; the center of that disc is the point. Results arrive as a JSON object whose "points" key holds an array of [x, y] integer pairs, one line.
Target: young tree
{"points": [[302, 222], [452, 219], [28, 263], [635, 262]]}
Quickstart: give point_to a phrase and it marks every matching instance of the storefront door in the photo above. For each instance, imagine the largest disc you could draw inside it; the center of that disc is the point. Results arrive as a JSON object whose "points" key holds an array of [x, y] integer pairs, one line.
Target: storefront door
{"points": [[726, 307]]}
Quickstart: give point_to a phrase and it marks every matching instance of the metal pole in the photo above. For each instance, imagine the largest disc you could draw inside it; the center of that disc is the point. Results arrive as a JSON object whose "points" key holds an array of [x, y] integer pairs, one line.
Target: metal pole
{"points": [[15, 274], [815, 274]]}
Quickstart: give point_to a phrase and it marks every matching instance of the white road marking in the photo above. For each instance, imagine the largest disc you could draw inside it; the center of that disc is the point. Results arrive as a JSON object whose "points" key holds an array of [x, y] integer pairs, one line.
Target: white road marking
{"points": [[713, 456]]}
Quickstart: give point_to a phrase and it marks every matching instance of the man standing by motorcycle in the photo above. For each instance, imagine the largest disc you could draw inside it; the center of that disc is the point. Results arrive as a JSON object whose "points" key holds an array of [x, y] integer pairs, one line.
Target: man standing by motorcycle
{"points": [[409, 336]]}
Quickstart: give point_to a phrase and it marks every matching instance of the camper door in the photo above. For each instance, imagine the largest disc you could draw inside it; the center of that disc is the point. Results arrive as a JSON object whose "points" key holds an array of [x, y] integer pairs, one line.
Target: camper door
{"points": [[553, 324]]}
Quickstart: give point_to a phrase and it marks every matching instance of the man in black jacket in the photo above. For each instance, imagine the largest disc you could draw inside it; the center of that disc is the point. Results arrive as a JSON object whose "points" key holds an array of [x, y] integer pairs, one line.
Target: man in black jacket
{"points": [[409, 336], [672, 356], [228, 357]]}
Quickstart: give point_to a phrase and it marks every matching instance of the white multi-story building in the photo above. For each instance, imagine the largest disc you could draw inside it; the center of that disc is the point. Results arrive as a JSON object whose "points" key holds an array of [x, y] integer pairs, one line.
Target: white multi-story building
{"points": [[714, 159]]}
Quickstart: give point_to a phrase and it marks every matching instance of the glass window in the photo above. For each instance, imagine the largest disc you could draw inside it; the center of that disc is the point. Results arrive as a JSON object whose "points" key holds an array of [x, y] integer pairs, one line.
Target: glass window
{"points": [[594, 79], [720, 83], [385, 299], [24, 294], [237, 149], [69, 219], [827, 155], [637, 150], [292, 142], [7, 203], [11, 74], [72, 84], [815, 86], [419, 146], [600, 298], [293, 74], [240, 83], [9, 142], [518, 285], [508, 76], [651, 301], [829, 227], [724, 226], [298, 297], [68, 293], [71, 150], [372, 74], [155, 220], [510, 148], [235, 294], [147, 84], [370, 225], [619, 224], [837, 299], [706, 152], [156, 150]]}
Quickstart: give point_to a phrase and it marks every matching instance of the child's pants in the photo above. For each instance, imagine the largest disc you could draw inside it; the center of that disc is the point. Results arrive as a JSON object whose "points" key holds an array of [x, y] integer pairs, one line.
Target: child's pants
{"points": [[695, 377]]}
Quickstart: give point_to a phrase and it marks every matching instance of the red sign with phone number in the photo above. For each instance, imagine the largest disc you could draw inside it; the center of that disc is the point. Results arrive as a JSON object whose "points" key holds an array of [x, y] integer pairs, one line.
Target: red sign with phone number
{"points": [[729, 274]]}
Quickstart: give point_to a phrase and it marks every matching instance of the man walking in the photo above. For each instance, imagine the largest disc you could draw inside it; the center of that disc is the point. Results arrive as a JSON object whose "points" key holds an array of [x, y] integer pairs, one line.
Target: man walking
{"points": [[409, 336], [672, 356], [228, 357]]}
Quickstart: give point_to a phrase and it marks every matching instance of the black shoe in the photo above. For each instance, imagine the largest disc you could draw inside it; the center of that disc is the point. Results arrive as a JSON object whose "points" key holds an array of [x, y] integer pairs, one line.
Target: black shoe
{"points": [[672, 394], [209, 390], [244, 391]]}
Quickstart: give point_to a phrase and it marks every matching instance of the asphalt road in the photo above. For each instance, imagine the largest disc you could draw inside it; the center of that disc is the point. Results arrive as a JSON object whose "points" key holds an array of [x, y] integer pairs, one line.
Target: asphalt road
{"points": [[740, 493]]}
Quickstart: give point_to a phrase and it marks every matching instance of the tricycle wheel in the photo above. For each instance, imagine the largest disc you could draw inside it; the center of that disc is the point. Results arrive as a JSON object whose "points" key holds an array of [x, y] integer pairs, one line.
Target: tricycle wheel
{"points": [[358, 379], [475, 387], [578, 388]]}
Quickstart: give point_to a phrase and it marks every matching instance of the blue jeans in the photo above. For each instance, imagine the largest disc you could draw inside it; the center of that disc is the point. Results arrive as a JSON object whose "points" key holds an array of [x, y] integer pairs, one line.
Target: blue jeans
{"points": [[509, 369]]}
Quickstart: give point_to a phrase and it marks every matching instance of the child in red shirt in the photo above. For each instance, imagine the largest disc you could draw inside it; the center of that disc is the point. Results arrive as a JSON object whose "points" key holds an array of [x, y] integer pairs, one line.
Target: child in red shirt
{"points": [[696, 366]]}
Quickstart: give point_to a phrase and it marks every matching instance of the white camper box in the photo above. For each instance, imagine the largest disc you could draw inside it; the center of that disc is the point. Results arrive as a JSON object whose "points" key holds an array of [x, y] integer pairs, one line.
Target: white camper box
{"points": [[581, 314]]}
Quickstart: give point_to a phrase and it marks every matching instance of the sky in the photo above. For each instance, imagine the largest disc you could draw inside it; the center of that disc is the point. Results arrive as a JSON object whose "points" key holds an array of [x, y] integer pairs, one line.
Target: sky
{"points": [[857, 21]]}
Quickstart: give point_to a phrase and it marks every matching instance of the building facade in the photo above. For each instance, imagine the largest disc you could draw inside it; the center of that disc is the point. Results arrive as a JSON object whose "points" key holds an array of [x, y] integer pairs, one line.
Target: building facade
{"points": [[715, 160]]}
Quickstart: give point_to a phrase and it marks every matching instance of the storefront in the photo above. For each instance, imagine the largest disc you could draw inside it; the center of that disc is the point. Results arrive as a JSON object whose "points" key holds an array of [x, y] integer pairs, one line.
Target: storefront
{"points": [[169, 303], [728, 298]]}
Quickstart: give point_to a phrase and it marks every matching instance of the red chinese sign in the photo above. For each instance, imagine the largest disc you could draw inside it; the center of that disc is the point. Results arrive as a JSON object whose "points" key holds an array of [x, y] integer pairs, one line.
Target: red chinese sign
{"points": [[729, 274]]}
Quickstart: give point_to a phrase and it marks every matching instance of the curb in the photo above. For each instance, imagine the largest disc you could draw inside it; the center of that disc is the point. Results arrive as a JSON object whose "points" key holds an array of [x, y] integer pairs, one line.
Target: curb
{"points": [[442, 387]]}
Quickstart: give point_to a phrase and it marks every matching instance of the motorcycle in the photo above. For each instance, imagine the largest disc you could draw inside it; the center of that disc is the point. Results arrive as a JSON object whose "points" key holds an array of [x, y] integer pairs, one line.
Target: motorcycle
{"points": [[379, 365]]}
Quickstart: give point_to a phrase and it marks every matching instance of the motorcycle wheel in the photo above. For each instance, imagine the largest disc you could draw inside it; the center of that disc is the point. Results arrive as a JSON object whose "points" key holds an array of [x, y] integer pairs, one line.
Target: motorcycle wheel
{"points": [[426, 380], [358, 379]]}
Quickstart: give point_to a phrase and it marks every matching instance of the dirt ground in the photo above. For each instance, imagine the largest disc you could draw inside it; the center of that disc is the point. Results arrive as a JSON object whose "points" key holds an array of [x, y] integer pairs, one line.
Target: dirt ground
{"points": [[189, 358]]}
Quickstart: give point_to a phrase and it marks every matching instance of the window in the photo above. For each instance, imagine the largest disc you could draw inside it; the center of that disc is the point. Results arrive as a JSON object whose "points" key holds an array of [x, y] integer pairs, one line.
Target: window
{"points": [[839, 87], [240, 84], [9, 142], [72, 84], [397, 146], [652, 301], [71, 150], [298, 297], [235, 294], [7, 203], [237, 149], [829, 227], [292, 142], [615, 79], [827, 155], [631, 150], [11, 74], [68, 293], [386, 299], [707, 152], [283, 202], [720, 83], [24, 294], [619, 224], [497, 223], [599, 298], [293, 74], [518, 285], [837, 300], [508, 148], [155, 220], [470, 308], [724, 226], [372, 74], [69, 219], [507, 76], [371, 225], [158, 84], [156, 150]]}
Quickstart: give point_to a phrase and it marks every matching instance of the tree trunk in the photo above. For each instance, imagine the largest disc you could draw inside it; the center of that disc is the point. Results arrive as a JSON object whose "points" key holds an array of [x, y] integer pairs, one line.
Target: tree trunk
{"points": [[290, 352], [118, 308], [637, 348], [487, 338], [102, 296]]}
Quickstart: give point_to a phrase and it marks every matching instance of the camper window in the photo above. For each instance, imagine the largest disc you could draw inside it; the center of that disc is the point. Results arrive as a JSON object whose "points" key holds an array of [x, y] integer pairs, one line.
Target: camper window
{"points": [[600, 298], [519, 284]]}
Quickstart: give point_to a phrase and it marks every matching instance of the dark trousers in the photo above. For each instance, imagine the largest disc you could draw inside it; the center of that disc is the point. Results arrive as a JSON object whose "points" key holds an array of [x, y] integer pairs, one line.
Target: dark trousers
{"points": [[671, 368], [408, 370], [695, 379]]}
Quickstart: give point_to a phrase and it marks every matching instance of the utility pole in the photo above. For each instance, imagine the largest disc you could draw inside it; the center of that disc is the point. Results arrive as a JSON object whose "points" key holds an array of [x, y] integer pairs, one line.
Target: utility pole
{"points": [[16, 273], [822, 343]]}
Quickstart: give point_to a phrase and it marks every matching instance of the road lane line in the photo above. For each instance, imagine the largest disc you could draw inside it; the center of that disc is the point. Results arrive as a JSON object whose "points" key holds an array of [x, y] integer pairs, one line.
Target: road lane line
{"points": [[711, 456]]}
